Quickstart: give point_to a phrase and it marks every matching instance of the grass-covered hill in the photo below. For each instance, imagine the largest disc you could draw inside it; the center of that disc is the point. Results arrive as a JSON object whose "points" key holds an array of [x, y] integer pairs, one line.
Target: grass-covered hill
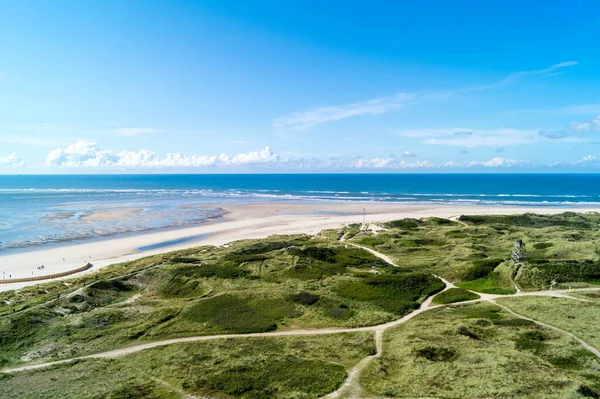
{"points": [[562, 250], [315, 285], [284, 282]]}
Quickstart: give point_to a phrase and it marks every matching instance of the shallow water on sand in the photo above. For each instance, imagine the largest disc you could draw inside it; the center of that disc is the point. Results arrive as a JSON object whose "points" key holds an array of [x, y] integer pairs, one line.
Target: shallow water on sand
{"points": [[41, 210]]}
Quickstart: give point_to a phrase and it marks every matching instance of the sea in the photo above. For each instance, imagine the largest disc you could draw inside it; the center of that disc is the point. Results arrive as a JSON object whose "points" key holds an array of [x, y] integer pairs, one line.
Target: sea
{"points": [[38, 210]]}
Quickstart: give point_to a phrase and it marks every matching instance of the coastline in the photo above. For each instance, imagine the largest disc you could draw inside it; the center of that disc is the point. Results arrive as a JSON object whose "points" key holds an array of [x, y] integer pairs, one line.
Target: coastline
{"points": [[241, 221]]}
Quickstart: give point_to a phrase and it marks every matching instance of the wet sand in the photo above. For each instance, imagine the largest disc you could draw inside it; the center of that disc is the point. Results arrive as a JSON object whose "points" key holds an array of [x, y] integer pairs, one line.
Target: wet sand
{"points": [[241, 222]]}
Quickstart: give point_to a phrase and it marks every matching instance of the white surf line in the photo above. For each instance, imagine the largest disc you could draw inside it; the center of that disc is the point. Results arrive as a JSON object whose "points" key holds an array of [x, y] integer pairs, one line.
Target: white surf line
{"points": [[587, 346]]}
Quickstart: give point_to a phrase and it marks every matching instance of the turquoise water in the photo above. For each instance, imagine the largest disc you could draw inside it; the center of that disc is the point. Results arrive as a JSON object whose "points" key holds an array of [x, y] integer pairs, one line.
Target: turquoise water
{"points": [[38, 210]]}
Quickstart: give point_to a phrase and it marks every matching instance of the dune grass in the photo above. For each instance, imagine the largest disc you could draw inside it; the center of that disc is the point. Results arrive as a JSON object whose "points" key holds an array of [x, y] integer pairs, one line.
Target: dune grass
{"points": [[302, 367], [453, 295], [577, 317], [466, 352], [251, 286]]}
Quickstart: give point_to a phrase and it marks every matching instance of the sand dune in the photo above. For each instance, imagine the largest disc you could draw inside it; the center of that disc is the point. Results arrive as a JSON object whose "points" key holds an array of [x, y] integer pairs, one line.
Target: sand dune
{"points": [[243, 221]]}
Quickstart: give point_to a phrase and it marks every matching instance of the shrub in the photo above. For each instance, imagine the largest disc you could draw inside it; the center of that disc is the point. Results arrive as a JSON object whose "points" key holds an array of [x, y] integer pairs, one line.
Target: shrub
{"points": [[481, 268], [456, 234], [530, 340], [531, 220], [440, 221], [111, 285], [183, 259], [406, 224], [230, 313], [341, 313], [513, 323], [263, 379], [588, 392], [452, 295], [462, 330], [566, 362], [305, 298], [396, 293], [436, 354], [542, 245]]}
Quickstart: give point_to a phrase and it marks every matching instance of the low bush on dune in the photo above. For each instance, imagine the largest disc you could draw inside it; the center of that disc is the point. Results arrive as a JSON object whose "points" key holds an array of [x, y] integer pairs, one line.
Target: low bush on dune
{"points": [[305, 298], [307, 378], [542, 245], [397, 293], [230, 313], [406, 224], [481, 268], [531, 340], [566, 219], [454, 295], [436, 354]]}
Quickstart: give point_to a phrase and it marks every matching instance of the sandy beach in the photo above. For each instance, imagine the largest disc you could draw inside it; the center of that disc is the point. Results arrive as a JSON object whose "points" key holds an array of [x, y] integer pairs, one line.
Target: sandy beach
{"points": [[241, 222]]}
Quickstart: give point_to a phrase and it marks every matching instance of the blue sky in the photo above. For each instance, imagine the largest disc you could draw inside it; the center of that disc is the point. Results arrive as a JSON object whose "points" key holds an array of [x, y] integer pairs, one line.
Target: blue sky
{"points": [[268, 86]]}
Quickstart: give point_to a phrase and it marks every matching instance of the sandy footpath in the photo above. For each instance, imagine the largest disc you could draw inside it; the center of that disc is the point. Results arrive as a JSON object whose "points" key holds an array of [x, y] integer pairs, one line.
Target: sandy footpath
{"points": [[242, 221]]}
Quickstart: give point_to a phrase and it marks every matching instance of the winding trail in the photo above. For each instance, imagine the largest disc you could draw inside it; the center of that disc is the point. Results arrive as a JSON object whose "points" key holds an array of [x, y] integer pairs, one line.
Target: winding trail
{"points": [[351, 387]]}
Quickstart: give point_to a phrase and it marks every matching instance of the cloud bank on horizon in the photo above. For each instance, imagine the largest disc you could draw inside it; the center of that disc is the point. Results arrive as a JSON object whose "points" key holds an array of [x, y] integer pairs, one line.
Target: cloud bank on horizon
{"points": [[286, 89]]}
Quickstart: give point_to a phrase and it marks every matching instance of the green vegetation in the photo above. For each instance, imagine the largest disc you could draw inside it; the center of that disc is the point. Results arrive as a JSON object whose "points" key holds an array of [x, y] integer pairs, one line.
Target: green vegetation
{"points": [[396, 293], [563, 249], [574, 316], [252, 286], [300, 367], [290, 283], [463, 351], [453, 295]]}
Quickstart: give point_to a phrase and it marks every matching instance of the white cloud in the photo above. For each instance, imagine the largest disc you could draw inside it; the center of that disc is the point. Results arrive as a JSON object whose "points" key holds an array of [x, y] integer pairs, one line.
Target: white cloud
{"points": [[573, 129], [586, 160], [389, 163], [11, 161], [472, 138], [408, 154], [494, 163], [313, 117], [87, 154], [133, 131]]}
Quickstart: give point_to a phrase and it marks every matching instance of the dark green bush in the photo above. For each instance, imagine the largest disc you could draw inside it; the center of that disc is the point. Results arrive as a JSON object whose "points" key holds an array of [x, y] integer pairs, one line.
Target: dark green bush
{"points": [[465, 331], [542, 245], [183, 259], [456, 234], [481, 268], [513, 322], [340, 313], [587, 392], [135, 391], [565, 270], [230, 313], [567, 219], [263, 379], [397, 293], [531, 340], [440, 221], [406, 224], [111, 285], [436, 353], [452, 295], [572, 362], [305, 298]]}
